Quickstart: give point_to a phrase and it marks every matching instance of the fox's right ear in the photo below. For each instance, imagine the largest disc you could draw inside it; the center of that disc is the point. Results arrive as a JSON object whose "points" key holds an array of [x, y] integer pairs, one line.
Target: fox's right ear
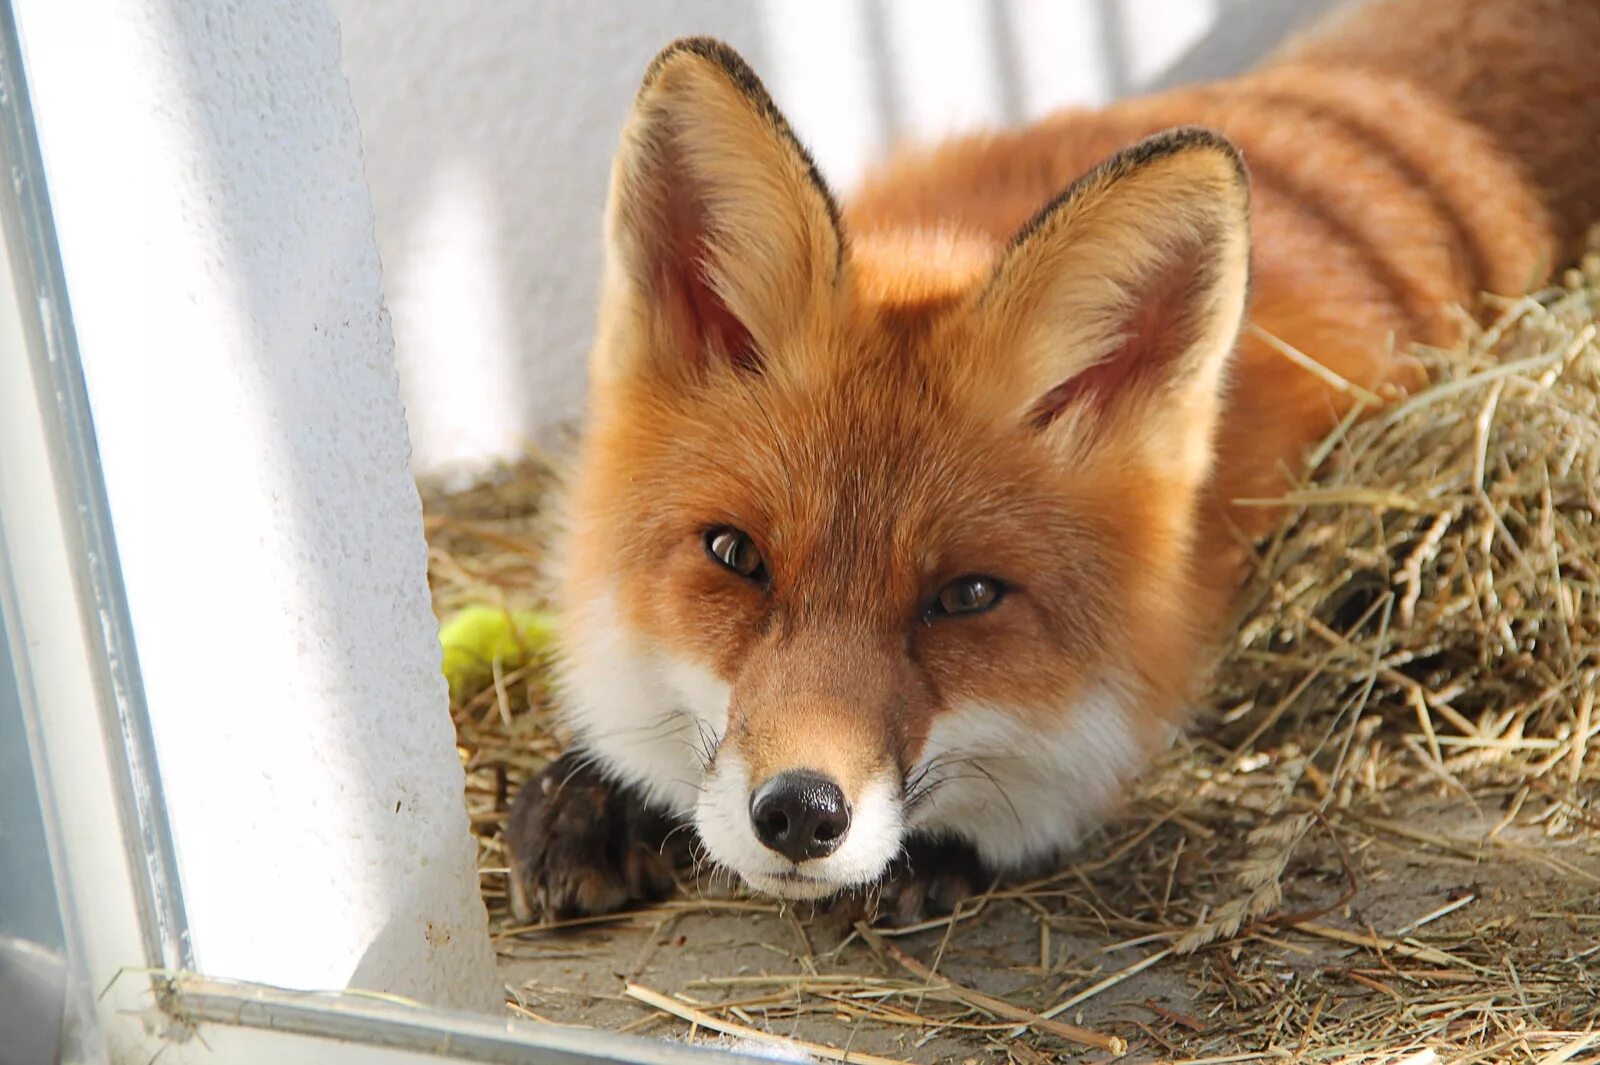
{"points": [[720, 234]]}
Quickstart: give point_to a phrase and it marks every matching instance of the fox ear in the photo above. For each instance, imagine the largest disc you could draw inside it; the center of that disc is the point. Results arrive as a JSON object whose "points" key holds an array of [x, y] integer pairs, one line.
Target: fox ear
{"points": [[1124, 298], [720, 233]]}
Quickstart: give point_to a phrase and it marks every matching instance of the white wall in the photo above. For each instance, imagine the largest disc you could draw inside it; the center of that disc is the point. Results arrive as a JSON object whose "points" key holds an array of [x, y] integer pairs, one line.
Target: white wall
{"points": [[488, 128], [203, 165]]}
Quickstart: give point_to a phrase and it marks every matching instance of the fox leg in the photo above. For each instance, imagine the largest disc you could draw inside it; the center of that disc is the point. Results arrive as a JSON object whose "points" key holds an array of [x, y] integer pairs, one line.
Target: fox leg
{"points": [[582, 844]]}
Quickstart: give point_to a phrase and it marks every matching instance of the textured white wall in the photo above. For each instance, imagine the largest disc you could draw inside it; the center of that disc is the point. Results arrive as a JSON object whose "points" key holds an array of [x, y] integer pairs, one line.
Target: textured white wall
{"points": [[216, 231], [488, 128]]}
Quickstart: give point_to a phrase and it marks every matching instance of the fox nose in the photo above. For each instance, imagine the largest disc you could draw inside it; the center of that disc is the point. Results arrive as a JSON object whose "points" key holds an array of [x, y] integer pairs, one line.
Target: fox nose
{"points": [[800, 814]]}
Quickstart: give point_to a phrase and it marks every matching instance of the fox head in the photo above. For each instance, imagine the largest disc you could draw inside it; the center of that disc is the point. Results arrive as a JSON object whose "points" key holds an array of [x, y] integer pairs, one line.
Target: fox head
{"points": [[880, 533]]}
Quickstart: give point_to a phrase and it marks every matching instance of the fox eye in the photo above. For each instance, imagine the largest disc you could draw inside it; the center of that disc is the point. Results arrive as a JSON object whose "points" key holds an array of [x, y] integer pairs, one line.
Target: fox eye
{"points": [[732, 549], [968, 595]]}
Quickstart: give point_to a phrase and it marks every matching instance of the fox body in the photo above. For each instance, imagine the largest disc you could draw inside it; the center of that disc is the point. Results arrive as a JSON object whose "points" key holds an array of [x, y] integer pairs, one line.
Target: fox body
{"points": [[904, 528]]}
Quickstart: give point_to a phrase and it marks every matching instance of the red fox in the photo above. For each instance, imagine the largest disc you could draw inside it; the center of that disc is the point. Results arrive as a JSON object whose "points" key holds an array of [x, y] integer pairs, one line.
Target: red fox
{"points": [[900, 530]]}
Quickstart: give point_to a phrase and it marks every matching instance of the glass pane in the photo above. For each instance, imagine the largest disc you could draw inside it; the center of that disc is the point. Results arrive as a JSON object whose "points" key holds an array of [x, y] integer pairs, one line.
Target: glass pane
{"points": [[33, 944], [45, 1016]]}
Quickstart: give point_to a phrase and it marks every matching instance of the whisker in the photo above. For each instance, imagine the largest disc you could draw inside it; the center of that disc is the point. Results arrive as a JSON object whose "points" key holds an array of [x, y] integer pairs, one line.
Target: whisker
{"points": [[1003, 794], [709, 741], [932, 765], [582, 762], [686, 825], [694, 749], [653, 725]]}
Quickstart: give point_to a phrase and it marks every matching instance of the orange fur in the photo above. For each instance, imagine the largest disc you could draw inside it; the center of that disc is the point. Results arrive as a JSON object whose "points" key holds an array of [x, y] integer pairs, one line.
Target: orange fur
{"points": [[893, 396]]}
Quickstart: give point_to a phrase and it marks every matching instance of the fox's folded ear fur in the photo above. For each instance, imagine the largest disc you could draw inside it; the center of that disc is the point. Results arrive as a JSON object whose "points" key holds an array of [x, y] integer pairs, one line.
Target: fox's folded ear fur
{"points": [[1124, 298], [720, 234]]}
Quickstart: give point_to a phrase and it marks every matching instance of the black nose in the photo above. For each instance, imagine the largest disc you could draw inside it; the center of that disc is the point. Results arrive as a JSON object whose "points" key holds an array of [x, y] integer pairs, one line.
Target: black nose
{"points": [[800, 814]]}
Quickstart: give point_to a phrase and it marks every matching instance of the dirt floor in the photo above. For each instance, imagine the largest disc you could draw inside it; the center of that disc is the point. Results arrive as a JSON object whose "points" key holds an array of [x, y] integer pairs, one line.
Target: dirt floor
{"points": [[1381, 843], [1445, 929]]}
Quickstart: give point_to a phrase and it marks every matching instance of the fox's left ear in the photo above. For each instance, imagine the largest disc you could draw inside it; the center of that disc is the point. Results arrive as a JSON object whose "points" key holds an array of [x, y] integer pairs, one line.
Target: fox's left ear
{"points": [[720, 234], [1124, 299]]}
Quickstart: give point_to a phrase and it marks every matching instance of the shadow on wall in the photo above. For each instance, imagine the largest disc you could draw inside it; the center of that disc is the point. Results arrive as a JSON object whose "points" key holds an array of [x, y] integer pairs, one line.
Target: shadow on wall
{"points": [[488, 131]]}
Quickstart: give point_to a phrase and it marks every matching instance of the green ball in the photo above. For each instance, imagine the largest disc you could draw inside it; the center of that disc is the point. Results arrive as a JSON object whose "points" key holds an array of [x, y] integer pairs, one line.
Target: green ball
{"points": [[477, 637]]}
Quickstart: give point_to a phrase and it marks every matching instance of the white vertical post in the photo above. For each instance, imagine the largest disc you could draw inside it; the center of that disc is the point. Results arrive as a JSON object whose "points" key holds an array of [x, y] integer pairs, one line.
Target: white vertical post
{"points": [[204, 169]]}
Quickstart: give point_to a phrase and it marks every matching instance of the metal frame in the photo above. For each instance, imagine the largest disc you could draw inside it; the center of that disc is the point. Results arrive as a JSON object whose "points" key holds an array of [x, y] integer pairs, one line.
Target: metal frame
{"points": [[36, 260]]}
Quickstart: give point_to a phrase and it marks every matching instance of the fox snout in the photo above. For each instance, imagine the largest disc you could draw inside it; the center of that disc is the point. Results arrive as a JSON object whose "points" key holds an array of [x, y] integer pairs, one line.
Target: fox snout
{"points": [[798, 833], [804, 793]]}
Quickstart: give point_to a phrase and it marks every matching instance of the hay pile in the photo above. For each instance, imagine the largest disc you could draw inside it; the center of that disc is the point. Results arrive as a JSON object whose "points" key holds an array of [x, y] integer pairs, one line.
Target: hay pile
{"points": [[1435, 586], [1445, 555], [1382, 839]]}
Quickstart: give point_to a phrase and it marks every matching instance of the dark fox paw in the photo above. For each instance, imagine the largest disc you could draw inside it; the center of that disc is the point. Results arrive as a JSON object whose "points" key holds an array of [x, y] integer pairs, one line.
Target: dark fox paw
{"points": [[929, 879], [581, 844]]}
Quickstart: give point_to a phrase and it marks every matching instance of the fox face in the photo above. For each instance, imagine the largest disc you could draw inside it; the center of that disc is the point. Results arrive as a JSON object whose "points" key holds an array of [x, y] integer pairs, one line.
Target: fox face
{"points": [[879, 533]]}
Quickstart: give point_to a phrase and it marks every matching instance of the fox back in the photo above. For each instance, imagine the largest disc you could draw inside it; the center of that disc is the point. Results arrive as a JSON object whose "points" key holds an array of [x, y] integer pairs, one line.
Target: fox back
{"points": [[916, 516]]}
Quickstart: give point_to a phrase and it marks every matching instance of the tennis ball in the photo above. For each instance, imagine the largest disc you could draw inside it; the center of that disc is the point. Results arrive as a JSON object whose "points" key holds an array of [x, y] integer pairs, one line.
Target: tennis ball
{"points": [[478, 636]]}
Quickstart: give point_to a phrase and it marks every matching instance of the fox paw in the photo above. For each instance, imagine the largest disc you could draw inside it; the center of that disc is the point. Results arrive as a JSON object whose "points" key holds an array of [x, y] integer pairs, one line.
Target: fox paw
{"points": [[929, 879], [581, 845]]}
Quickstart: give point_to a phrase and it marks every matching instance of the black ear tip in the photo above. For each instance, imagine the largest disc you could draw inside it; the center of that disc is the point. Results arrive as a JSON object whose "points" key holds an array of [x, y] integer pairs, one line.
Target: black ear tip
{"points": [[710, 50], [1169, 143], [744, 79], [1182, 139]]}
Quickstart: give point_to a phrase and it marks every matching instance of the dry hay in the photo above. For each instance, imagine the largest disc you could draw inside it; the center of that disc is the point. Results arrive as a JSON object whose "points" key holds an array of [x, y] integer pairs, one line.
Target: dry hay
{"points": [[1380, 843]]}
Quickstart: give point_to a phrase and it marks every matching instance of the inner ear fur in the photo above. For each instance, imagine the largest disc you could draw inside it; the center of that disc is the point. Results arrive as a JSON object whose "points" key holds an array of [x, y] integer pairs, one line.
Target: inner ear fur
{"points": [[720, 233], [1124, 297]]}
